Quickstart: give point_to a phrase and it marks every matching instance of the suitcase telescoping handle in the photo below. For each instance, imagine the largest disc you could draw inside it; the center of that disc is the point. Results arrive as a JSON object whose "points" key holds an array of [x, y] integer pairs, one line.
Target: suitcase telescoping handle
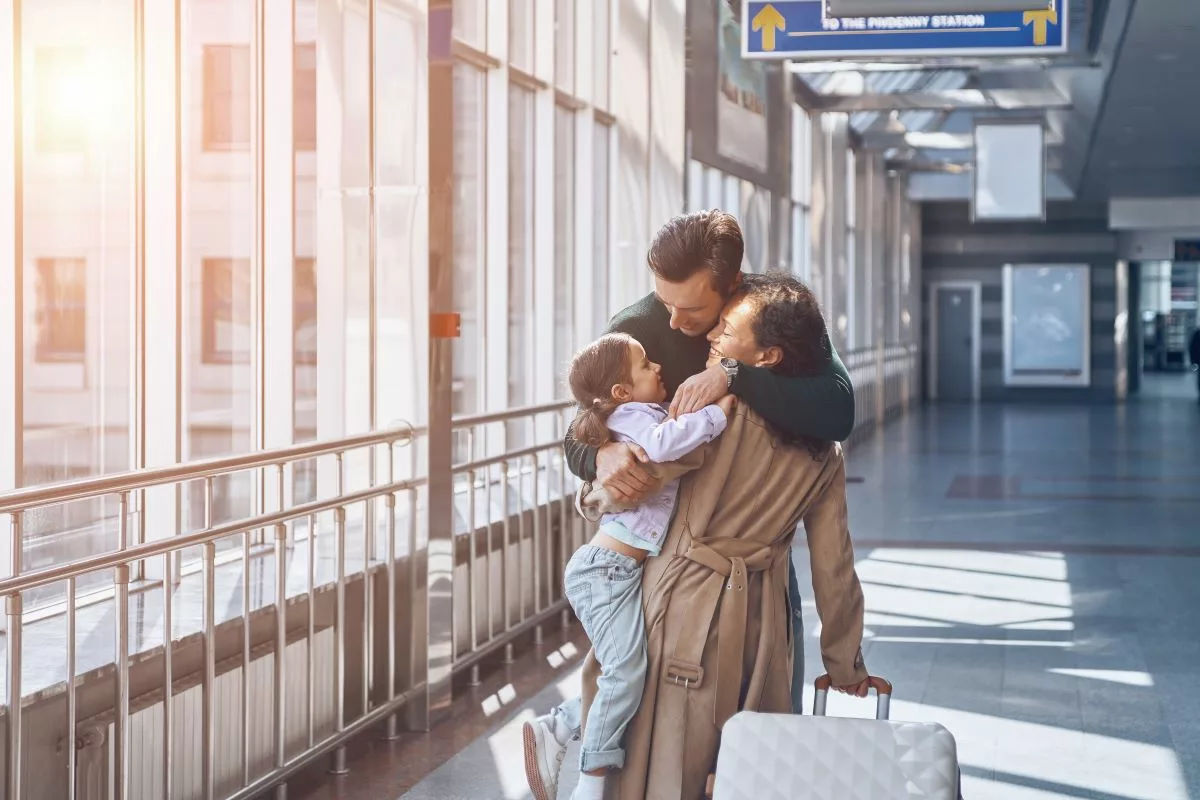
{"points": [[883, 691]]}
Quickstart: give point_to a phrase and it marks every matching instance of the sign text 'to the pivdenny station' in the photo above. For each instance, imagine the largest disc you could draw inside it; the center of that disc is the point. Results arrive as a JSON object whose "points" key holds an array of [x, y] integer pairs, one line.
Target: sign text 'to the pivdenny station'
{"points": [[799, 29]]}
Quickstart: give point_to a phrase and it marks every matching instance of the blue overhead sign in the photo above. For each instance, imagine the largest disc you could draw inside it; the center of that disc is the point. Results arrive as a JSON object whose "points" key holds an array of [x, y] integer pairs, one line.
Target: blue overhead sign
{"points": [[799, 29]]}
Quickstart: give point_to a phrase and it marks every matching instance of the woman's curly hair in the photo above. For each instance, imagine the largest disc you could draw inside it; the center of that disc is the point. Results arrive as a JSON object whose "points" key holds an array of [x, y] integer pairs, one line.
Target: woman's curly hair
{"points": [[788, 316]]}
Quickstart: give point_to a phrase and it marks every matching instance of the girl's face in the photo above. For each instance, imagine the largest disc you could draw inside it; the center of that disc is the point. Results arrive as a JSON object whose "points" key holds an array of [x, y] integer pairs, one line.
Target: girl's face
{"points": [[646, 379]]}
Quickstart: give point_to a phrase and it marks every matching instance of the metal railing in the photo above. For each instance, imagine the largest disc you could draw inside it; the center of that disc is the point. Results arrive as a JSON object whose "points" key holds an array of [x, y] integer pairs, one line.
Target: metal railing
{"points": [[885, 381], [506, 560], [536, 596]]}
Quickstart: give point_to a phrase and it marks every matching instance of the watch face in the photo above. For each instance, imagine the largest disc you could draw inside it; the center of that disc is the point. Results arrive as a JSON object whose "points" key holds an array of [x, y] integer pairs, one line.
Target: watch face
{"points": [[729, 363]]}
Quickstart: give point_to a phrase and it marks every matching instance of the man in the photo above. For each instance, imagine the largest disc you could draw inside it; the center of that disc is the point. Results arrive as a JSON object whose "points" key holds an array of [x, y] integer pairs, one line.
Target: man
{"points": [[696, 260]]}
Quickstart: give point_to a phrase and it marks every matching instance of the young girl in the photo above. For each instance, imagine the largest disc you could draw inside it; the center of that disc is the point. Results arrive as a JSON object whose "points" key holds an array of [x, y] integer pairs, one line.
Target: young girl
{"points": [[618, 390]]}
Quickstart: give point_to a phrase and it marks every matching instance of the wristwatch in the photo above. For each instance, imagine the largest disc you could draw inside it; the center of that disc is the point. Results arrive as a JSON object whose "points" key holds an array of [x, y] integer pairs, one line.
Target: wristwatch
{"points": [[730, 365]]}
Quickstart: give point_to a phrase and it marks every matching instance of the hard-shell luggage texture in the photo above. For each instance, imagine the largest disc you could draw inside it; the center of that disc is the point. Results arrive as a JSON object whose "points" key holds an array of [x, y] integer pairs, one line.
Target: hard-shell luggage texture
{"points": [[791, 757]]}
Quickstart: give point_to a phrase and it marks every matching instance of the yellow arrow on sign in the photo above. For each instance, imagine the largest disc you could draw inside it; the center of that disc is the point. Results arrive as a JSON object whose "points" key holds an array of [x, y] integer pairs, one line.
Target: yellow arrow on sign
{"points": [[1040, 19], [767, 20]]}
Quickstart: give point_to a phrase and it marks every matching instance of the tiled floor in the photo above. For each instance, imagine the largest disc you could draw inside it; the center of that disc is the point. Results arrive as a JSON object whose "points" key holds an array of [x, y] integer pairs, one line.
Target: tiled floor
{"points": [[1052, 628]]}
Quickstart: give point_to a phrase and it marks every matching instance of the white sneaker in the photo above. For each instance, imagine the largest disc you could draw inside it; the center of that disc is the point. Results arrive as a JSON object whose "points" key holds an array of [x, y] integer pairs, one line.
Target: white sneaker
{"points": [[543, 757]]}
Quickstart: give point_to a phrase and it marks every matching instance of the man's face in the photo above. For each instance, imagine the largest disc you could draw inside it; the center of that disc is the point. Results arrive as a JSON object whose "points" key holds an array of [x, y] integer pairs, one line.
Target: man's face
{"points": [[694, 304], [733, 336]]}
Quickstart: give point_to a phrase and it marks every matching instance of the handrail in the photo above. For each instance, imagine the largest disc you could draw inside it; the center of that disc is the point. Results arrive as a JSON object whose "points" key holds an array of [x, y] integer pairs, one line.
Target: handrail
{"points": [[512, 413], [159, 547], [131, 481], [120, 482]]}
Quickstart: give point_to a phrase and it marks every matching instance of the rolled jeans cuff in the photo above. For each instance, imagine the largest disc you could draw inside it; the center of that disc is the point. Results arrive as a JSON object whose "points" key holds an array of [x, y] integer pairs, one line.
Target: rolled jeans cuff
{"points": [[604, 759]]}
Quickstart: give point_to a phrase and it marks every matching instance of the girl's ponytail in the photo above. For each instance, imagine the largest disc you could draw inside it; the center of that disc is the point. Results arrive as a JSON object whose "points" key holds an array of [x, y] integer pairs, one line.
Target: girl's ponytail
{"points": [[594, 371], [591, 423]]}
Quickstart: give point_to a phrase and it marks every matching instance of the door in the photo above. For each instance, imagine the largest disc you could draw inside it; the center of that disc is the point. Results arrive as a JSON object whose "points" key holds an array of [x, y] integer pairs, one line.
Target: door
{"points": [[955, 344]]}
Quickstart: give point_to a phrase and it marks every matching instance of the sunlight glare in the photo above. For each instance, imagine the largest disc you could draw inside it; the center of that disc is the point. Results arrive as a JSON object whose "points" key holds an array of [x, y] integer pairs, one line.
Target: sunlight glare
{"points": [[494, 702], [1113, 767], [1127, 677], [1047, 566], [509, 770]]}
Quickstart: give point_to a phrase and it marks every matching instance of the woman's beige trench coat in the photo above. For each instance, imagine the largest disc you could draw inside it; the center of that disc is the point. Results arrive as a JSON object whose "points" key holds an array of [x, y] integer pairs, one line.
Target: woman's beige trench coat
{"points": [[716, 604]]}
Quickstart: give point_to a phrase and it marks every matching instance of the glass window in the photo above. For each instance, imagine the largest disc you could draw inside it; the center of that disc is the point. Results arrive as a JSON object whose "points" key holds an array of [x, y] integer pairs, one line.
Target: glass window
{"points": [[226, 87], [846, 318], [521, 176], [304, 97], [61, 317], [304, 275], [732, 196], [520, 251], [61, 105], [225, 312], [470, 22], [600, 232], [755, 220], [695, 186], [801, 257], [564, 244], [77, 89], [470, 126], [520, 34], [304, 311], [802, 155], [714, 189], [564, 44], [218, 235], [601, 10]]}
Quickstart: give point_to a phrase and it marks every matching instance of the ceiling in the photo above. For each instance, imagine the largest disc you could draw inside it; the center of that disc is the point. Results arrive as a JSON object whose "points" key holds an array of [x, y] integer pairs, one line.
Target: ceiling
{"points": [[1116, 127], [1147, 141]]}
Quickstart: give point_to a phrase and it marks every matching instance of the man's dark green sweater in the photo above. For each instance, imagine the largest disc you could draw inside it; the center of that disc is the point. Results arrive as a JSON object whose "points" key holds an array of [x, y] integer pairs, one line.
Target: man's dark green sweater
{"points": [[821, 406]]}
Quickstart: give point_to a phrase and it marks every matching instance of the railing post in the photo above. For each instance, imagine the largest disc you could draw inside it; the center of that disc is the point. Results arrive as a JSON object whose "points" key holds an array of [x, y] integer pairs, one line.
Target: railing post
{"points": [[880, 385], [13, 610], [392, 732], [434, 595], [208, 721], [121, 712], [338, 766], [72, 700], [121, 630], [281, 546]]}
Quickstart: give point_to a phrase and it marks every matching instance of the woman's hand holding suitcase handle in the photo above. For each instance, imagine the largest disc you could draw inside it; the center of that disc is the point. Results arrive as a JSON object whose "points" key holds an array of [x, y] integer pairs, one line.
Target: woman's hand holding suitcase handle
{"points": [[882, 688]]}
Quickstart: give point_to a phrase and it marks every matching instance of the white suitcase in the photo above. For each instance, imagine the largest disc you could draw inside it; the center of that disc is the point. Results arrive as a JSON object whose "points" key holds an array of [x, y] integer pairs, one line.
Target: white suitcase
{"points": [[786, 756]]}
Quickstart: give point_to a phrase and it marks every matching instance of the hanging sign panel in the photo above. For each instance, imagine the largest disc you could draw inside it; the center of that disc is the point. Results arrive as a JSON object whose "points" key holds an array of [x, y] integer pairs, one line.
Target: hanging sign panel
{"points": [[883, 8], [799, 29]]}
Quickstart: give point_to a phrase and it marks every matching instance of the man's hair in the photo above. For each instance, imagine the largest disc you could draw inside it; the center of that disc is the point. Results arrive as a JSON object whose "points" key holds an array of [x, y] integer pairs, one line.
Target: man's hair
{"points": [[703, 240], [788, 316]]}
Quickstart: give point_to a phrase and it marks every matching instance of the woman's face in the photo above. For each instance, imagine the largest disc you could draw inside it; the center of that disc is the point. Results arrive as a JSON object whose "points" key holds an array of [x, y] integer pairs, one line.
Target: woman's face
{"points": [[733, 335]]}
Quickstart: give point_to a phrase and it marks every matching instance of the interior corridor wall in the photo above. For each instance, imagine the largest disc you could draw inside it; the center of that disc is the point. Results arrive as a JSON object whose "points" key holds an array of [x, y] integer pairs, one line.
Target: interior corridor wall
{"points": [[955, 249]]}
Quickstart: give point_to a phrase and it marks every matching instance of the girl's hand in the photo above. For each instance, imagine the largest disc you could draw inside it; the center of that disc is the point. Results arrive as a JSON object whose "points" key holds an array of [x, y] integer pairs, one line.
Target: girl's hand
{"points": [[727, 404]]}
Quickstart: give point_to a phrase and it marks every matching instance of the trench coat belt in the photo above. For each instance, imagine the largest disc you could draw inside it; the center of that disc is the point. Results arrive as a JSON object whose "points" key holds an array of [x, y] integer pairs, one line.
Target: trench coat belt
{"points": [[731, 562]]}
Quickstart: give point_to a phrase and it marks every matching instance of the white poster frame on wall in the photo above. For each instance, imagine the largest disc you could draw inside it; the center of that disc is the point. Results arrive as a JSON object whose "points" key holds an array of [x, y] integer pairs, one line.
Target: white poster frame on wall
{"points": [[1040, 214], [1014, 374]]}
